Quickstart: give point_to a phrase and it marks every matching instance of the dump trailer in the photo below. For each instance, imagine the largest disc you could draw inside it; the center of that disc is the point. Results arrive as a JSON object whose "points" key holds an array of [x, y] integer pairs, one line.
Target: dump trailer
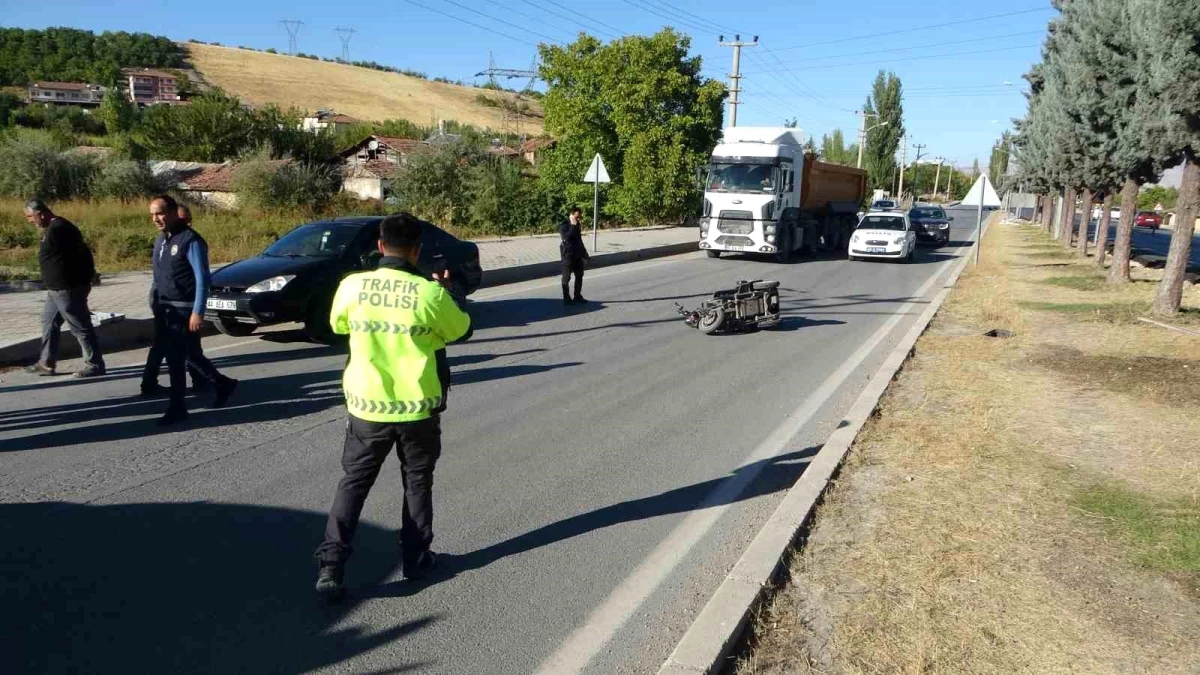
{"points": [[763, 194]]}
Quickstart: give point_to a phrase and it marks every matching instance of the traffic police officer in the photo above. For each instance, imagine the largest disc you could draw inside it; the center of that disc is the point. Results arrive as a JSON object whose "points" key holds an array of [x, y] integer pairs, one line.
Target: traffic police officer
{"points": [[396, 382], [178, 295]]}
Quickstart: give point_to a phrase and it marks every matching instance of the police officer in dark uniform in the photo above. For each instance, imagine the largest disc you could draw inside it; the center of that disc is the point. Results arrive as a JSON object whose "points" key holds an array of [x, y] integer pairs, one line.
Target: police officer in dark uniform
{"points": [[179, 293], [158, 348], [573, 255]]}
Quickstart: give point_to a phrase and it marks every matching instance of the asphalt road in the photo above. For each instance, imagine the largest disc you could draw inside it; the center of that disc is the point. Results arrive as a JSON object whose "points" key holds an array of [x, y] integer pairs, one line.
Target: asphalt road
{"points": [[603, 469], [1145, 240]]}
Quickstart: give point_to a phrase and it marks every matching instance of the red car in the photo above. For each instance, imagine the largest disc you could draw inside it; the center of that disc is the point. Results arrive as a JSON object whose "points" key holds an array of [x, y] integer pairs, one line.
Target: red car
{"points": [[1148, 219]]}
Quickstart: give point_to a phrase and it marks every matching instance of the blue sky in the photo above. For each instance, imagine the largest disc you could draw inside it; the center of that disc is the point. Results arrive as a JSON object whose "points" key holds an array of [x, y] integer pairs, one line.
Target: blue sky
{"points": [[815, 62]]}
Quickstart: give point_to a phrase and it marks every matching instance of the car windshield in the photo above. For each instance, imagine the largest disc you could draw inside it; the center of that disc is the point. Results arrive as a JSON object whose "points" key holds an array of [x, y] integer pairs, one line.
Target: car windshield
{"points": [[882, 223], [741, 178], [884, 204], [317, 240], [926, 213]]}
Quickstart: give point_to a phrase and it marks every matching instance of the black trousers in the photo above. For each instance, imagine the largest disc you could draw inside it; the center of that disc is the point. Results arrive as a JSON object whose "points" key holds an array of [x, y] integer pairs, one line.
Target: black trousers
{"points": [[182, 350], [418, 445], [572, 266], [158, 352]]}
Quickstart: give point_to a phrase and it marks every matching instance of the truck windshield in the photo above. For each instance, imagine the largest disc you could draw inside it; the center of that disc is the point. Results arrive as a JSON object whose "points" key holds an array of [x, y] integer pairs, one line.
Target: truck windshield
{"points": [[741, 178]]}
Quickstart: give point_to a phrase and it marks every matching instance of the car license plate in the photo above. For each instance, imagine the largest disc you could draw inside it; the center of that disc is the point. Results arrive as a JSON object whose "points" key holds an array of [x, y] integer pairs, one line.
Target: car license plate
{"points": [[222, 304], [733, 247], [876, 249]]}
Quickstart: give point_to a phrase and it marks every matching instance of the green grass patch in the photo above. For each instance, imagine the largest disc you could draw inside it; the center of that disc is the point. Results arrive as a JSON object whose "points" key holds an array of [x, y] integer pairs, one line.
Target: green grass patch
{"points": [[1163, 535], [1052, 254], [1091, 283]]}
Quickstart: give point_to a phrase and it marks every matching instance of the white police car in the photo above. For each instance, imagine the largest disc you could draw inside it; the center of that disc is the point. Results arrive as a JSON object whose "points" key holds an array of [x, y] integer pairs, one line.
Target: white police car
{"points": [[884, 235]]}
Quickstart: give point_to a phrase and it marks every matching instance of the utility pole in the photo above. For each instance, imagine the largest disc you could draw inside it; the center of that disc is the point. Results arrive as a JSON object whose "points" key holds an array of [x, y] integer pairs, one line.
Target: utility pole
{"points": [[903, 163], [293, 29], [938, 177], [919, 147], [344, 34], [735, 77], [949, 182], [862, 132]]}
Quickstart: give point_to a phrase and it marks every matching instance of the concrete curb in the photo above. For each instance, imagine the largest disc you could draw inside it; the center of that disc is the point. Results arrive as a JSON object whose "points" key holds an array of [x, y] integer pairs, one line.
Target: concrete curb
{"points": [[132, 333], [707, 643]]}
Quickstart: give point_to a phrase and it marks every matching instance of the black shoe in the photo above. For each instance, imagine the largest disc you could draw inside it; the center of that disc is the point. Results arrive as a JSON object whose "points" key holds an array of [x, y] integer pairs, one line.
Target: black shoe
{"points": [[580, 300], [172, 416], [154, 391], [329, 581], [40, 369], [225, 388], [199, 386], [421, 569], [91, 371]]}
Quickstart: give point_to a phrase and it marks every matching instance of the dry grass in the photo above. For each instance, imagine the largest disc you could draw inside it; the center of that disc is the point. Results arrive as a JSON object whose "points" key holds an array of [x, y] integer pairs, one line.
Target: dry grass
{"points": [[370, 95], [1019, 505]]}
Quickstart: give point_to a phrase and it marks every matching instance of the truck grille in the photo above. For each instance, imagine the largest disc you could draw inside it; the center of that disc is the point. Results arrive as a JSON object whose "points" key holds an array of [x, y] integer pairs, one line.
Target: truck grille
{"points": [[735, 241], [736, 222]]}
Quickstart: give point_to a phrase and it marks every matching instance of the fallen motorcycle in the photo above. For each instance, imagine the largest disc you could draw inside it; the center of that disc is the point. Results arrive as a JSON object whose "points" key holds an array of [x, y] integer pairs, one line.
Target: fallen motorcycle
{"points": [[747, 306]]}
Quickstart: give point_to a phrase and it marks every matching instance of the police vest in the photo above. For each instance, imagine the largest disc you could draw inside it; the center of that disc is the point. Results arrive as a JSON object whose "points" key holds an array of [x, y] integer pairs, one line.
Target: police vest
{"points": [[174, 278], [398, 322]]}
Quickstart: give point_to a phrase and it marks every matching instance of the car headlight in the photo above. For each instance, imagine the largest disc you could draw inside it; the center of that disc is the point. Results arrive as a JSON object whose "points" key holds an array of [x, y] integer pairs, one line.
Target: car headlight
{"points": [[770, 239], [272, 284], [899, 240], [770, 228], [854, 239], [943, 226]]}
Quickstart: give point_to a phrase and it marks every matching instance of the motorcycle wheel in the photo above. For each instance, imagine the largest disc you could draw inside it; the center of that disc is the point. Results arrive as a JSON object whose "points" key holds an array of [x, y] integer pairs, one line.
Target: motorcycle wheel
{"points": [[712, 320]]}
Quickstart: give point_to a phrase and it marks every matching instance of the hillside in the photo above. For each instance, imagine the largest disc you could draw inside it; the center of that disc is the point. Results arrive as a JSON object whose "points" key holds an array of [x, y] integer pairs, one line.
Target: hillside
{"points": [[259, 78]]}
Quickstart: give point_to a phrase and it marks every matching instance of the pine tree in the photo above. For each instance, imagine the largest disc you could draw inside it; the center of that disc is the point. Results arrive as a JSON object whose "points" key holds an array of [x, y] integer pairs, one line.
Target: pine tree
{"points": [[1170, 120]]}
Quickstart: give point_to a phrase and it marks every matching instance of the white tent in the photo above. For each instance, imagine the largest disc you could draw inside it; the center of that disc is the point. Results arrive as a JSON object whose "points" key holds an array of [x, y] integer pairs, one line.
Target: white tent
{"points": [[983, 187]]}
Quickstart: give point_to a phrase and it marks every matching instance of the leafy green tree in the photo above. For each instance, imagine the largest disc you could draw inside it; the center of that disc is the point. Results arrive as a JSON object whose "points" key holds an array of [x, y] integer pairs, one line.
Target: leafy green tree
{"points": [[117, 112], [834, 150], [212, 128], [432, 184], [71, 55], [998, 162], [879, 154], [1155, 195], [642, 104]]}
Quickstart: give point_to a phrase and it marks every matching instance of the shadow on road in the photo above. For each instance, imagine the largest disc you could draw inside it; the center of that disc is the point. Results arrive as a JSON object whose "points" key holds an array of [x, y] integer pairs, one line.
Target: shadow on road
{"points": [[518, 312], [764, 477], [265, 399], [180, 588]]}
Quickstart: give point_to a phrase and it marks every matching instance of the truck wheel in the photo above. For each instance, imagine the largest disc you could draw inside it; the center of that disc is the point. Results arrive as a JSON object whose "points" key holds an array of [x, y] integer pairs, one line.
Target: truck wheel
{"points": [[713, 254], [784, 254], [711, 321], [233, 328]]}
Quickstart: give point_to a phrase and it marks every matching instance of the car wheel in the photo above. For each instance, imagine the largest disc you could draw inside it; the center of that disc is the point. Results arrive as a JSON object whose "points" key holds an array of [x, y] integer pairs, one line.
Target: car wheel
{"points": [[851, 258], [713, 254], [233, 328]]}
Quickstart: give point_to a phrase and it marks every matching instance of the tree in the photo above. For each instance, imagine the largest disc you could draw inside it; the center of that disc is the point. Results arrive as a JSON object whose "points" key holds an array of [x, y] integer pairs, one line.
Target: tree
{"points": [[998, 162], [654, 124], [117, 112], [71, 55], [1171, 128], [791, 124], [879, 153], [212, 128], [834, 150]]}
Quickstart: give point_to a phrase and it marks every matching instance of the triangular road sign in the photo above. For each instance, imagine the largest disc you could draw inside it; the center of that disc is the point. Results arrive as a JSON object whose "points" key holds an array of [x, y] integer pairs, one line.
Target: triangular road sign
{"points": [[982, 187], [596, 173]]}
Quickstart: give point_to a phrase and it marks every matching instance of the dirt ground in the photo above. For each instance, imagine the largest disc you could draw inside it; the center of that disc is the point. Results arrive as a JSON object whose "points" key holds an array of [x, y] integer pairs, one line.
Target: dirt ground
{"points": [[1025, 504]]}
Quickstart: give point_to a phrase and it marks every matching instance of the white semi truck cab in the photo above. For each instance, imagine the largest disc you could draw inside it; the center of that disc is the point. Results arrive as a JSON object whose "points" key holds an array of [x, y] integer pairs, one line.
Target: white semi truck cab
{"points": [[764, 195]]}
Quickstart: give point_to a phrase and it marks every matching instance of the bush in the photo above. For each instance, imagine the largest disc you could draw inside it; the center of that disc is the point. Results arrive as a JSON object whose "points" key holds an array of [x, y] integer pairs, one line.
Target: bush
{"points": [[124, 180], [34, 166], [265, 184], [503, 201], [432, 183]]}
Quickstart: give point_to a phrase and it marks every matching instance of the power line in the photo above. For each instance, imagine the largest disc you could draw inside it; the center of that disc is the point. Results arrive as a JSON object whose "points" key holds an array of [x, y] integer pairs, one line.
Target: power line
{"points": [[804, 86], [915, 29], [498, 20], [668, 17], [700, 19], [592, 21], [540, 20], [471, 23], [908, 49], [917, 58]]}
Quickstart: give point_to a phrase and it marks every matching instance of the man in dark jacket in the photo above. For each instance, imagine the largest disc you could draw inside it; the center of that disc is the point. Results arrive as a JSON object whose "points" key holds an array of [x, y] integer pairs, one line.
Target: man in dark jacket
{"points": [[573, 255], [67, 272], [180, 292]]}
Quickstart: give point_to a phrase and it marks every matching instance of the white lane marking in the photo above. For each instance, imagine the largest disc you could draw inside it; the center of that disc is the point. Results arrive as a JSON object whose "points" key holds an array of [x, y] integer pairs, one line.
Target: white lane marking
{"points": [[604, 621]]}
